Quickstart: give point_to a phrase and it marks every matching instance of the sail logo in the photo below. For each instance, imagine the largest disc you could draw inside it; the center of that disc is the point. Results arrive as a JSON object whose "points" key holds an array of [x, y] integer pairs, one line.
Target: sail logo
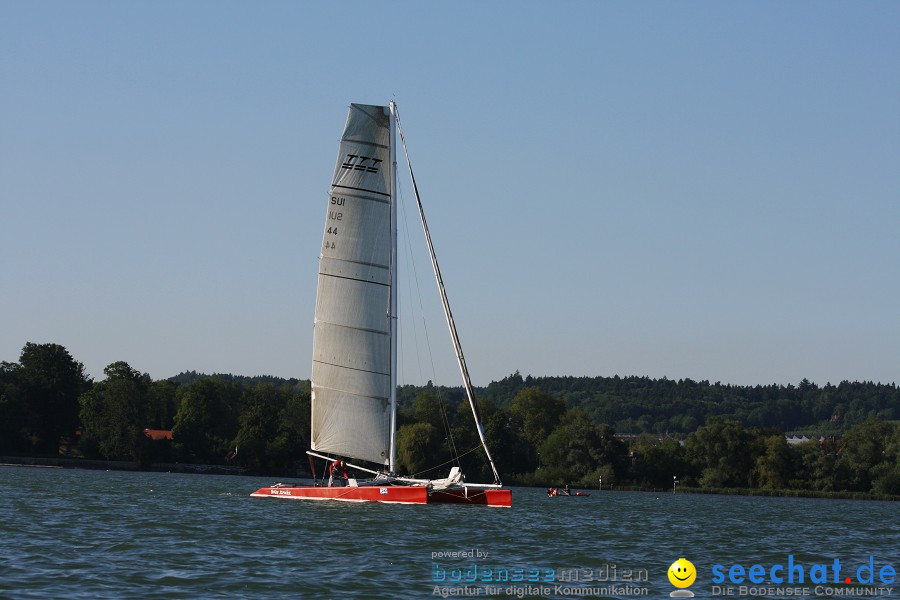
{"points": [[355, 162]]}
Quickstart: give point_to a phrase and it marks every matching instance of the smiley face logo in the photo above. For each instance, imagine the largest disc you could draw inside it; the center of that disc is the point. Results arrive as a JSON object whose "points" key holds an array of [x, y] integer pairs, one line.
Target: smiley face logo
{"points": [[682, 573]]}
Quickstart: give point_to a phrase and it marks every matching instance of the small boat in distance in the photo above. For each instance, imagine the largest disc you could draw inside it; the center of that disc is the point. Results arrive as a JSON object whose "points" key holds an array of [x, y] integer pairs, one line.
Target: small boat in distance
{"points": [[354, 366], [565, 492]]}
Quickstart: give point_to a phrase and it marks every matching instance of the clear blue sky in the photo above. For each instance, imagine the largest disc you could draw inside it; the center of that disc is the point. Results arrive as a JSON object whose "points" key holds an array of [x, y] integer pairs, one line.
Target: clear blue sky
{"points": [[694, 189]]}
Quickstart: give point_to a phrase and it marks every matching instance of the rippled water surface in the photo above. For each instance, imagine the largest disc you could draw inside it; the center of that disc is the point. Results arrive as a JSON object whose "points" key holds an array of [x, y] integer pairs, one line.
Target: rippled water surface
{"points": [[68, 533]]}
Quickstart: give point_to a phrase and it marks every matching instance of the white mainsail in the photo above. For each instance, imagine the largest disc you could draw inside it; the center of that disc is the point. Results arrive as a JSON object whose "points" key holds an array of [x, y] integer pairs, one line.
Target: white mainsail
{"points": [[354, 370], [355, 336], [352, 362]]}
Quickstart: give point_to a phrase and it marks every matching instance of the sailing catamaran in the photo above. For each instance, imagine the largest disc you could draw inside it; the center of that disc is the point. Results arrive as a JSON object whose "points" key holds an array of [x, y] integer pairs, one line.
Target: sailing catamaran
{"points": [[354, 370]]}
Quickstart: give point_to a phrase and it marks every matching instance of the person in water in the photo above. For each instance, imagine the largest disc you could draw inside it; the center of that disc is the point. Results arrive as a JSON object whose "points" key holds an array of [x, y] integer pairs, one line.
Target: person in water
{"points": [[339, 465]]}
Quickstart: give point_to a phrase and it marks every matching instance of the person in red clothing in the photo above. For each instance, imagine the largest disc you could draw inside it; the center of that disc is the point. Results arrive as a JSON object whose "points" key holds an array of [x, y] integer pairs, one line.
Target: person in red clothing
{"points": [[339, 465]]}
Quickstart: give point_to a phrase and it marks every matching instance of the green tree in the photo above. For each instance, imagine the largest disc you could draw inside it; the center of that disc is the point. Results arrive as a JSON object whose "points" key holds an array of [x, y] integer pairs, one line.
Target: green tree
{"points": [[207, 419], [869, 453], [162, 405], [775, 464], [12, 407], [274, 429], [415, 444], [889, 482], [293, 430], [259, 421], [655, 462], [514, 455], [427, 408], [469, 454], [113, 412], [537, 413], [819, 467], [579, 451], [723, 451], [50, 382]]}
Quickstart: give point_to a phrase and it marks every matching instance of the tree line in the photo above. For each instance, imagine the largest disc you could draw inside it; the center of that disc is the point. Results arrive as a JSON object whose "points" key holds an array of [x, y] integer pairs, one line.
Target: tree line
{"points": [[540, 440], [645, 405], [48, 406], [541, 431]]}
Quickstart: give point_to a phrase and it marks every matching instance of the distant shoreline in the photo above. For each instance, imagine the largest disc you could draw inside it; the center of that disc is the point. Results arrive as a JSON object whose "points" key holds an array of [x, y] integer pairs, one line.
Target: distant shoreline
{"points": [[750, 492], [118, 465], [790, 494]]}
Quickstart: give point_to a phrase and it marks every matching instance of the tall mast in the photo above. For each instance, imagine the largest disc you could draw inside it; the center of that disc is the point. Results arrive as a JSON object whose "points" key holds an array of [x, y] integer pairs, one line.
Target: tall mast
{"points": [[394, 292], [457, 347]]}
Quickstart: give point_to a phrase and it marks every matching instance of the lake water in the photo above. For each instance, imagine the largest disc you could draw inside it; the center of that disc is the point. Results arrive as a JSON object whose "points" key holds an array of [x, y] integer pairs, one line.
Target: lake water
{"points": [[99, 534]]}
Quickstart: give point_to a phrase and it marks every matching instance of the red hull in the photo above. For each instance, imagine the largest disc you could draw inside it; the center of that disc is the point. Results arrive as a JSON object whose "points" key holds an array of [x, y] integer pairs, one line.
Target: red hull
{"points": [[389, 494]]}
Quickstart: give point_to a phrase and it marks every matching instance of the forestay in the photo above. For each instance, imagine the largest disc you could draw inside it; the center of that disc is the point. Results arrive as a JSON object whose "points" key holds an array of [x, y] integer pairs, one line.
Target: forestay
{"points": [[351, 370]]}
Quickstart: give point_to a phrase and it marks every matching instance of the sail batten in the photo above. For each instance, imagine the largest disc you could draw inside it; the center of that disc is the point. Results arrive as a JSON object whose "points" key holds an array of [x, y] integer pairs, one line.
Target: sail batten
{"points": [[380, 399], [357, 329], [351, 372], [356, 189]]}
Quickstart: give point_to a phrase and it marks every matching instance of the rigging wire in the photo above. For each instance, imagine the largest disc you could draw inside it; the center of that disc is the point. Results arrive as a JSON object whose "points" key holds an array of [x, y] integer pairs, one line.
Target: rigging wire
{"points": [[412, 275], [470, 392], [445, 417]]}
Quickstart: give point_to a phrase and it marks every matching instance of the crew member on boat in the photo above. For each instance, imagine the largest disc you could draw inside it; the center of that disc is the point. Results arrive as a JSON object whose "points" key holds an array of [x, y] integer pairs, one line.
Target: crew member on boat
{"points": [[339, 465]]}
